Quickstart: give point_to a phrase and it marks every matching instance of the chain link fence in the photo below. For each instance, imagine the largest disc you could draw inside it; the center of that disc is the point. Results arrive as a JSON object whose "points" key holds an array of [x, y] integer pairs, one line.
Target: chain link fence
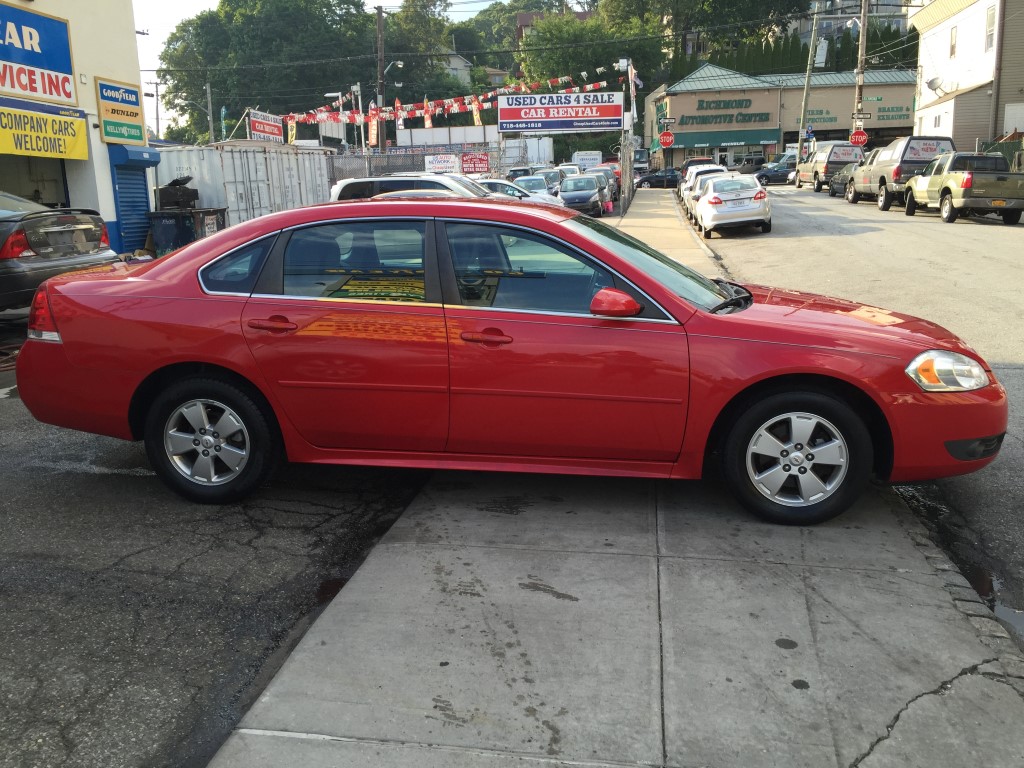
{"points": [[1013, 151]]}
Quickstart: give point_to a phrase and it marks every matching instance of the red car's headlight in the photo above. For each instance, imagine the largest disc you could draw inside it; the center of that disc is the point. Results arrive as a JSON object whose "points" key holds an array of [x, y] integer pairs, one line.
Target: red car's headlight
{"points": [[940, 371]]}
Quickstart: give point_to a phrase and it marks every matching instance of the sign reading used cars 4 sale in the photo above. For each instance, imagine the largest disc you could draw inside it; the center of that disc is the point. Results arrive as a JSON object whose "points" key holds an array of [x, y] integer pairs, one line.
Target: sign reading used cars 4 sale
{"points": [[560, 112], [266, 127], [35, 57]]}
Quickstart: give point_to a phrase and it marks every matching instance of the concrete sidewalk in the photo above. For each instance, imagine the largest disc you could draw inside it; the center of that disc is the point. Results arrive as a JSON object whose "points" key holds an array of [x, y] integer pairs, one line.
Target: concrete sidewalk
{"points": [[524, 619]]}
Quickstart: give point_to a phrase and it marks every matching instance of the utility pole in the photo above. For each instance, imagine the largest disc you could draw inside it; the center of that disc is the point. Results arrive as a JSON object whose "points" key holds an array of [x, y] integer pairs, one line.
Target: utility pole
{"points": [[209, 113], [807, 87], [156, 91], [382, 139], [862, 53]]}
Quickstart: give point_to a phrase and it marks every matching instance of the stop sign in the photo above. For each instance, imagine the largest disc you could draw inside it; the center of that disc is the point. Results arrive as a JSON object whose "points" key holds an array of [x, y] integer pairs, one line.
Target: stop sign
{"points": [[859, 138], [666, 139]]}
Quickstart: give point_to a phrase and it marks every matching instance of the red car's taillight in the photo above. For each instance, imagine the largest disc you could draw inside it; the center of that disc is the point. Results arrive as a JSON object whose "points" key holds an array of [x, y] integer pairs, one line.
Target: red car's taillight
{"points": [[104, 237], [16, 245], [761, 195], [716, 200], [41, 323], [968, 180]]}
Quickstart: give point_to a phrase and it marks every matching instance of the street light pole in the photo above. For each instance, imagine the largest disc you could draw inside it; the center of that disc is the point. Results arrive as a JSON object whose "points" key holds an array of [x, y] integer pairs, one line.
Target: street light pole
{"points": [[862, 51], [357, 89], [209, 113]]}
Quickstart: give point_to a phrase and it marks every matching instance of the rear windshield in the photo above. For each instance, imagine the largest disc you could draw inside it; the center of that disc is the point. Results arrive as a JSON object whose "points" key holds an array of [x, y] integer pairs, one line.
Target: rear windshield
{"points": [[579, 184], [926, 149], [980, 163], [13, 204], [734, 184]]}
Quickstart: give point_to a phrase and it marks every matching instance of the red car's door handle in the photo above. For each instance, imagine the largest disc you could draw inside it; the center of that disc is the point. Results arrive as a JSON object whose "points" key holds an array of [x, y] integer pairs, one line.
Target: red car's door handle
{"points": [[276, 324], [487, 337]]}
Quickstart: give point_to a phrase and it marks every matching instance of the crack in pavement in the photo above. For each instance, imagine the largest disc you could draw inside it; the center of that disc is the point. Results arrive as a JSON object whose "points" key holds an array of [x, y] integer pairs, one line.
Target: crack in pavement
{"points": [[938, 690]]}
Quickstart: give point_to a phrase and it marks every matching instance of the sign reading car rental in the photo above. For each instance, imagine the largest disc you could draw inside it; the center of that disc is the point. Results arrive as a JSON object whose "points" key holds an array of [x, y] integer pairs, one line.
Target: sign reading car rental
{"points": [[560, 112], [120, 112], [35, 57], [42, 130], [265, 127]]}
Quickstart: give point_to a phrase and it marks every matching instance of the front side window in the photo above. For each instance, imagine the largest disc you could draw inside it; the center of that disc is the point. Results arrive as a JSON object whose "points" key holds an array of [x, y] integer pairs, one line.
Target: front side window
{"points": [[513, 269], [370, 260]]}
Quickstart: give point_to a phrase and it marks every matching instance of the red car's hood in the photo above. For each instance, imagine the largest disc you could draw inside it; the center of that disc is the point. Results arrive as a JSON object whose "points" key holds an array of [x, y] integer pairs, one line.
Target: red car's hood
{"points": [[812, 319]]}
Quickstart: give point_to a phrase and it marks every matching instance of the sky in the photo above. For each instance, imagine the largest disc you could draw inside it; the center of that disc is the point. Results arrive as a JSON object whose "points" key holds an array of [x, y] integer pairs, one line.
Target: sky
{"points": [[159, 18]]}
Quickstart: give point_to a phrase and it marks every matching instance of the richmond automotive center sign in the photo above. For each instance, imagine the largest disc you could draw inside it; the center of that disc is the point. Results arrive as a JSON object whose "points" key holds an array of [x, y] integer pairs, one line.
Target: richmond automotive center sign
{"points": [[35, 57], [560, 112]]}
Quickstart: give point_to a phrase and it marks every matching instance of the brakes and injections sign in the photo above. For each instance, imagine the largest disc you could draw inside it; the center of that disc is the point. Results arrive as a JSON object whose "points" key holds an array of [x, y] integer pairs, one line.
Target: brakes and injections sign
{"points": [[265, 127], [560, 112], [120, 112], [35, 57]]}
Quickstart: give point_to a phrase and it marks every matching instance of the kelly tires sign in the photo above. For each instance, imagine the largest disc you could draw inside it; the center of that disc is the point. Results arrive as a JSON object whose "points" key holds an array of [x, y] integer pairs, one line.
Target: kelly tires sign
{"points": [[42, 130], [35, 57], [120, 112], [560, 113]]}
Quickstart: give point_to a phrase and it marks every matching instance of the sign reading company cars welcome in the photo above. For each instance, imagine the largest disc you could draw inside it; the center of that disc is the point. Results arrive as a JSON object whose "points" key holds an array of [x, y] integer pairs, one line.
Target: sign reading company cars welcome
{"points": [[560, 112], [120, 112], [35, 57], [42, 130]]}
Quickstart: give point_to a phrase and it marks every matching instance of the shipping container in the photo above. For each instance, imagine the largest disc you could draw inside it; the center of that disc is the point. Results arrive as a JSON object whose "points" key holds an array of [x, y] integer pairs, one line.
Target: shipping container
{"points": [[249, 178]]}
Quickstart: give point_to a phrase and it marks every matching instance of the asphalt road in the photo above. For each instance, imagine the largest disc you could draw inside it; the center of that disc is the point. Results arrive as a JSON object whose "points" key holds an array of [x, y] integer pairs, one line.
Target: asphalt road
{"points": [[967, 276], [136, 628]]}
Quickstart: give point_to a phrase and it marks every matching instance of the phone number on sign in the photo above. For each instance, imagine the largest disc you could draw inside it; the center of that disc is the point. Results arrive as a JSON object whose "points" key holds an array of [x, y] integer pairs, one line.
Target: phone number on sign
{"points": [[521, 126]]}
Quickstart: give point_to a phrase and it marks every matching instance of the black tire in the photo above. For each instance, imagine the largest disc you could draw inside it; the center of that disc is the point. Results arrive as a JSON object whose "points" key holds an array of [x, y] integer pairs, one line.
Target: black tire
{"points": [[705, 231], [831, 190], [645, 185], [842, 482], [766, 226], [884, 197], [1011, 217], [947, 211], [817, 184], [797, 182], [852, 195], [911, 204], [253, 435], [762, 180]]}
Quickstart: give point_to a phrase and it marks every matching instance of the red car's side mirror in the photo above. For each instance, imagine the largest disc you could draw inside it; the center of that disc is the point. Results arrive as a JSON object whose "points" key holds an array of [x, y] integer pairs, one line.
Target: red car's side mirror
{"points": [[611, 302]]}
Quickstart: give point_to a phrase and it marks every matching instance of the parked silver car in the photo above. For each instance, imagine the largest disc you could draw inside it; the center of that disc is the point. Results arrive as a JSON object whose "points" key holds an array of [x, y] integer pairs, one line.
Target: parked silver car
{"points": [[732, 201]]}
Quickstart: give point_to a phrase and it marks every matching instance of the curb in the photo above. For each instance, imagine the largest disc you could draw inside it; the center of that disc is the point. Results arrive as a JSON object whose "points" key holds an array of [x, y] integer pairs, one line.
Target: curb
{"points": [[715, 259]]}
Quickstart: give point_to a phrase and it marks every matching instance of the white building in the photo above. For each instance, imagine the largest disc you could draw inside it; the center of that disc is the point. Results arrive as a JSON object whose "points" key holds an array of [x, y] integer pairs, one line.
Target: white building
{"points": [[71, 125], [971, 69]]}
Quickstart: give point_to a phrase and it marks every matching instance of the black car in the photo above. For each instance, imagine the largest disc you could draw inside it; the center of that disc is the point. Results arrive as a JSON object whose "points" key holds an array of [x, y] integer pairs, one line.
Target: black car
{"points": [[669, 177], [582, 193], [37, 242], [841, 178], [775, 173]]}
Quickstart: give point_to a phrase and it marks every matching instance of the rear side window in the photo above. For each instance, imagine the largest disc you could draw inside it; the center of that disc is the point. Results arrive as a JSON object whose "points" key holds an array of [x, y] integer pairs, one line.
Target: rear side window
{"points": [[375, 260], [236, 272], [356, 190]]}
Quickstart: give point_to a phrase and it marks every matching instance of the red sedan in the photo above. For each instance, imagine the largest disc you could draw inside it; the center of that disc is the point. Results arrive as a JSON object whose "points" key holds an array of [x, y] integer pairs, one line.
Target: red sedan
{"points": [[481, 335]]}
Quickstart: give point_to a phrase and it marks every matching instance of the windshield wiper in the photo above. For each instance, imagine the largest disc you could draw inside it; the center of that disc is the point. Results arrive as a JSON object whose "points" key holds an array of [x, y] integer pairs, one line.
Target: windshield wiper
{"points": [[739, 297]]}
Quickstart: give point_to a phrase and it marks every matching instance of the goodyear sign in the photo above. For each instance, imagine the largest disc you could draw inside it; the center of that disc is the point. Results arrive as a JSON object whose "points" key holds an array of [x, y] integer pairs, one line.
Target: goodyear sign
{"points": [[42, 130], [35, 57], [120, 112]]}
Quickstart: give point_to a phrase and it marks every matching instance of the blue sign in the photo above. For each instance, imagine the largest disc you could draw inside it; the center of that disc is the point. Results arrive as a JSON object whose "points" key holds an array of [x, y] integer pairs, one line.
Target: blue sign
{"points": [[809, 133], [35, 56]]}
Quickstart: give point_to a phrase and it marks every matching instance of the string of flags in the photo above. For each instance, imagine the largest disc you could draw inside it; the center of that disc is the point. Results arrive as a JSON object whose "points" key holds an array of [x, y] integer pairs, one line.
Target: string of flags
{"points": [[427, 109]]}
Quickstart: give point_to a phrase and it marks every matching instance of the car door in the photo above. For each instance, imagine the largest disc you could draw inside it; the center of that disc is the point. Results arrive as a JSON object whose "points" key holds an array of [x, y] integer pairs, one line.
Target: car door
{"points": [[347, 328], [934, 173], [533, 373]]}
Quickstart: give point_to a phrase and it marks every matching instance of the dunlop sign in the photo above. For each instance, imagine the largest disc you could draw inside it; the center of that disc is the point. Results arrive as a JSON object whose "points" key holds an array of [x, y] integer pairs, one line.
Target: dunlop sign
{"points": [[35, 57], [120, 112], [42, 130]]}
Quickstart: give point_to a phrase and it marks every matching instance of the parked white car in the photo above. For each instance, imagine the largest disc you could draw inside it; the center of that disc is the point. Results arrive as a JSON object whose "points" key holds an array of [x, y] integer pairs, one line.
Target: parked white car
{"points": [[732, 201], [686, 184], [699, 180], [521, 192]]}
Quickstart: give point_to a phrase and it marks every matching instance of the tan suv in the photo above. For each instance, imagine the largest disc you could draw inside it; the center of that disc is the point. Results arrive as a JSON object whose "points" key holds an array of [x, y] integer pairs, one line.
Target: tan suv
{"points": [[825, 162]]}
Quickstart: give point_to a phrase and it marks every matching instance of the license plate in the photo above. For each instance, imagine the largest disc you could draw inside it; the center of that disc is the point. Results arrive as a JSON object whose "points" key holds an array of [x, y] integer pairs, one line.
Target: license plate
{"points": [[998, 203], [737, 203]]}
